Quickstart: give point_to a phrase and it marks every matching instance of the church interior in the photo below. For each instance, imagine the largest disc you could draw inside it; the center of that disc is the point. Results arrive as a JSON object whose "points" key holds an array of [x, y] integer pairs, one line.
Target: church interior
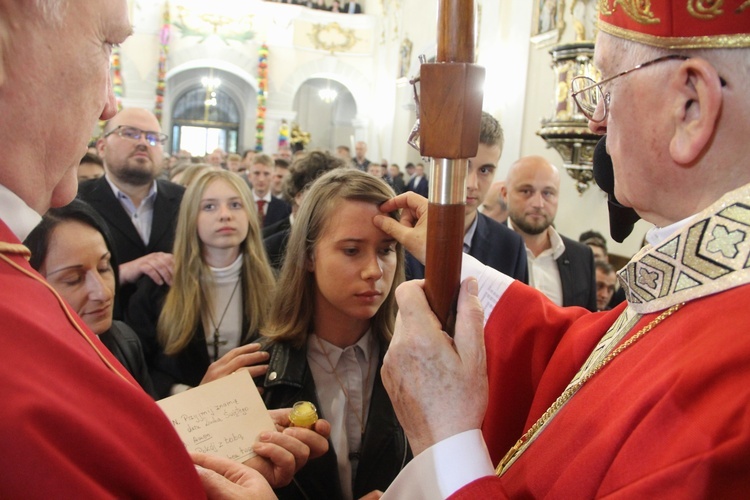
{"points": [[237, 75]]}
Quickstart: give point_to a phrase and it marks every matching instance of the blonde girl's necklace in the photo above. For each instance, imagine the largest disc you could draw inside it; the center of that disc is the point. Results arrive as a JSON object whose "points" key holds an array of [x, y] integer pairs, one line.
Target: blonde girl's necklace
{"points": [[217, 341], [361, 414]]}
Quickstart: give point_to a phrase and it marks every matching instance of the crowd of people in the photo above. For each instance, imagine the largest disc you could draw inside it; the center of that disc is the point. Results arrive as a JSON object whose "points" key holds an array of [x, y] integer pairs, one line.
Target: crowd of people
{"points": [[155, 276], [189, 270]]}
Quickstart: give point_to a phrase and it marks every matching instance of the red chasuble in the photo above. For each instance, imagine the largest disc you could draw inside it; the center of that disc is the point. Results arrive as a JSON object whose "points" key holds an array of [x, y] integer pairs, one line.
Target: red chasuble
{"points": [[69, 426], [667, 418]]}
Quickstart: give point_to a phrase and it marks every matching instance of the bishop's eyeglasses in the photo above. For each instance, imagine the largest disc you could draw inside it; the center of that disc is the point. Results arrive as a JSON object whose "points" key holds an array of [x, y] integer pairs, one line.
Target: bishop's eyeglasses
{"points": [[588, 93], [152, 138]]}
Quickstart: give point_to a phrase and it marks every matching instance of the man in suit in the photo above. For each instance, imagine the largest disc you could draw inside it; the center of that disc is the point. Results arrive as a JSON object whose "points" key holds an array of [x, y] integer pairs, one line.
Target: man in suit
{"points": [[597, 242], [397, 178], [91, 167], [559, 267], [409, 172], [490, 242], [140, 210], [344, 153], [234, 164], [302, 174], [270, 209], [280, 172], [418, 183], [360, 160], [377, 170]]}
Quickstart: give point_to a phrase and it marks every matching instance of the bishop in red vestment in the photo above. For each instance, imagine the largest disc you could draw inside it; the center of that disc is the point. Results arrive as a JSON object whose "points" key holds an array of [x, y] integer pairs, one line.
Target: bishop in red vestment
{"points": [[652, 399]]}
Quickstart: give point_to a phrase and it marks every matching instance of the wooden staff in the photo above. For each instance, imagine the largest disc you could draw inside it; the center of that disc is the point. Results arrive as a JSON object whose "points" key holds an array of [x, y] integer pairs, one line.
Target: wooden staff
{"points": [[450, 118]]}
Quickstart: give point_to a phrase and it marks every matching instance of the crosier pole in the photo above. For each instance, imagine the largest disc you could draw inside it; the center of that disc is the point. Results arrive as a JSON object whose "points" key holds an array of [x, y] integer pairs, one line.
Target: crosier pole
{"points": [[450, 117]]}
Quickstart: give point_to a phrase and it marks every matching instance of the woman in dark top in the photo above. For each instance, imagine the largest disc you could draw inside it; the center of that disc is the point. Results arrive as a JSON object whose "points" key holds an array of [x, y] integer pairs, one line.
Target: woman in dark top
{"points": [[330, 325], [72, 249]]}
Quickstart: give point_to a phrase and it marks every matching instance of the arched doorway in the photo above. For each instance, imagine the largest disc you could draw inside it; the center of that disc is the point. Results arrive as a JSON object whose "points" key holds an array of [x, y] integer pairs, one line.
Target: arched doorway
{"points": [[325, 108], [204, 118]]}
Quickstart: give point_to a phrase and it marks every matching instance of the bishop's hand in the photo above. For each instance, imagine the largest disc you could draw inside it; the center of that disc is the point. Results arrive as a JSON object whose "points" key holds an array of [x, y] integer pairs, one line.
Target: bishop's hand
{"points": [[438, 385], [411, 232]]}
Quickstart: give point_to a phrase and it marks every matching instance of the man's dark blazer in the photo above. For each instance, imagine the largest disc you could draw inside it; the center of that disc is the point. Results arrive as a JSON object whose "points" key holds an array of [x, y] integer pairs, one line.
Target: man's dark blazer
{"points": [[276, 211], [494, 245], [276, 247], [128, 243], [577, 275], [365, 163], [397, 183], [422, 188], [276, 227]]}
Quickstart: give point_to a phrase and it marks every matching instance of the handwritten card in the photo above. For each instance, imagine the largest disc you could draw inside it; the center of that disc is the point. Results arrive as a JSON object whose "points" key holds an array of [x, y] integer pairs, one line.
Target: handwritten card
{"points": [[223, 417]]}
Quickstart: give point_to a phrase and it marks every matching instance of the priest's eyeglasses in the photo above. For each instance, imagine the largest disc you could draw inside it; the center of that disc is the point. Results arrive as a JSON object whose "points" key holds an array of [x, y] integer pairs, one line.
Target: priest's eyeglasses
{"points": [[152, 138], [588, 94]]}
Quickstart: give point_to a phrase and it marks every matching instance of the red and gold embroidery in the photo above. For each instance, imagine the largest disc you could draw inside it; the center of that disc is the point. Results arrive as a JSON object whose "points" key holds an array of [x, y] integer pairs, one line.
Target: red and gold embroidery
{"points": [[705, 9], [638, 10]]}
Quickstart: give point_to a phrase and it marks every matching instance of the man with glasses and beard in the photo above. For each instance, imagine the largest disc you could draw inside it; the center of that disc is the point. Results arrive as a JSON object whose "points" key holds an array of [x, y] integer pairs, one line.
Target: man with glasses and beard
{"points": [[140, 209]]}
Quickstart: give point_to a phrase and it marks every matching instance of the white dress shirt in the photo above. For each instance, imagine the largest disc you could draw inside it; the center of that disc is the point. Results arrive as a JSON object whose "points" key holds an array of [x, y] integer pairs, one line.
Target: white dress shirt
{"points": [[20, 218], [141, 216], [354, 366], [266, 198], [469, 235], [544, 274]]}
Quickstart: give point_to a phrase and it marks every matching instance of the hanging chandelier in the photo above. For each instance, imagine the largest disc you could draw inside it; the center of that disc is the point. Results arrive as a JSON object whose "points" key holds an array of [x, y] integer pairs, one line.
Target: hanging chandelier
{"points": [[210, 83], [327, 94]]}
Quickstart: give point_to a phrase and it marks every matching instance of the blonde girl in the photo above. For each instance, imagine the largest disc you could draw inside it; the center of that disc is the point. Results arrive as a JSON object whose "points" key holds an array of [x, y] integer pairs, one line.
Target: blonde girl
{"points": [[220, 295]]}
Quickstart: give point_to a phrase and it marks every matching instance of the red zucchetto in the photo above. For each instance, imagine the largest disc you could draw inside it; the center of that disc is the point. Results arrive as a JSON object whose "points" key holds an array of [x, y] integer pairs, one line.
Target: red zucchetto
{"points": [[678, 24]]}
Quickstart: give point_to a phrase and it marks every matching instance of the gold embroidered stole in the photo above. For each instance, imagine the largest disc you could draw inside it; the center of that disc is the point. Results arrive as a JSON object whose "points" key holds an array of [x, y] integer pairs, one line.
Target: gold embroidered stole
{"points": [[711, 254]]}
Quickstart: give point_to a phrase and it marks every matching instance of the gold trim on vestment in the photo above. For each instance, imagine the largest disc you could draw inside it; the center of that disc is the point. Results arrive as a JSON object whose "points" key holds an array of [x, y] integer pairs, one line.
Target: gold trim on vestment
{"points": [[741, 40], [15, 248]]}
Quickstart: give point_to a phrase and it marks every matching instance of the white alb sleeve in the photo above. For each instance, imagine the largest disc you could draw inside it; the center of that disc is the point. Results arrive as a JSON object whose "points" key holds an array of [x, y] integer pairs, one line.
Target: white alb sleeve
{"points": [[443, 468]]}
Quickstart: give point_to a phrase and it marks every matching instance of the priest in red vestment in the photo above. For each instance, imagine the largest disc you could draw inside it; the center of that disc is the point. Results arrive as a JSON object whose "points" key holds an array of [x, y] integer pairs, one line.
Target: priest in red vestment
{"points": [[73, 422], [652, 399]]}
